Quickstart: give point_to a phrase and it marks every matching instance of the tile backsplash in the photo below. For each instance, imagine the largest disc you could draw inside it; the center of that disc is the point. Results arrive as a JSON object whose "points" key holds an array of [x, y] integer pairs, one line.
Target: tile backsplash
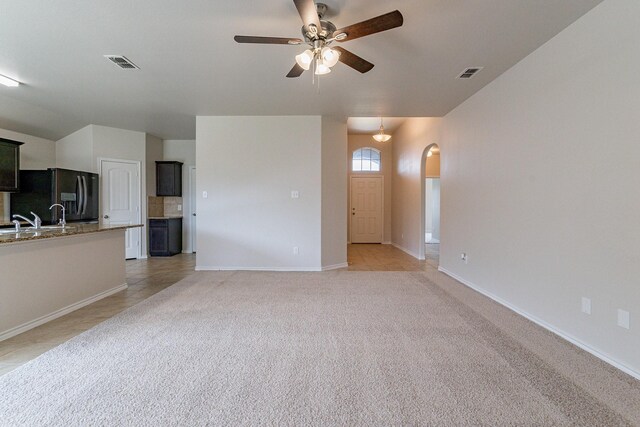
{"points": [[164, 206], [155, 206], [173, 206]]}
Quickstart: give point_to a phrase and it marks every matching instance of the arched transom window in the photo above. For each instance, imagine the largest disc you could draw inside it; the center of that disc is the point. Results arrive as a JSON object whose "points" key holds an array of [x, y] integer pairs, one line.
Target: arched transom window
{"points": [[366, 159]]}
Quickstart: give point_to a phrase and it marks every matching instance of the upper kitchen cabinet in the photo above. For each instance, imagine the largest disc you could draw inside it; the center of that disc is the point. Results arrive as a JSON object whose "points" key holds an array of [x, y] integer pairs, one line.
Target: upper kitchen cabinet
{"points": [[9, 165], [169, 178]]}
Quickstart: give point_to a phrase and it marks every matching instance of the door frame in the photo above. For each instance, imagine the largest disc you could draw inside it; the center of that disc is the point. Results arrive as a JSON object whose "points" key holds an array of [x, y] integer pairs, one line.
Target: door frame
{"points": [[192, 210], [141, 205], [423, 199], [351, 177]]}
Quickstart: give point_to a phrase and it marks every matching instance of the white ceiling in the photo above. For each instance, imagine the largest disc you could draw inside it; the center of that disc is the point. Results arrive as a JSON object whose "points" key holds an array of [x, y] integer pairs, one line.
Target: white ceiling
{"points": [[191, 66], [371, 125]]}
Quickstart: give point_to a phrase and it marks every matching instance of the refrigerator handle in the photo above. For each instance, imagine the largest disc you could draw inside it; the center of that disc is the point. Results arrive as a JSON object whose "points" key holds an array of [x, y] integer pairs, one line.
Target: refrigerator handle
{"points": [[80, 193], [86, 195]]}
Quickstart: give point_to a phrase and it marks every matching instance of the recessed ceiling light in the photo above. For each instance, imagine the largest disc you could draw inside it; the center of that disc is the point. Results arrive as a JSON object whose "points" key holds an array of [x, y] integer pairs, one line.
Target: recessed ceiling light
{"points": [[8, 82]]}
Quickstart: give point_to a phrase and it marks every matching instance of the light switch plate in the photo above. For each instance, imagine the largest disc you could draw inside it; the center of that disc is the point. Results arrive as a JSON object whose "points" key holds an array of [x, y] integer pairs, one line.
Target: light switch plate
{"points": [[623, 318], [205, 194], [586, 305], [295, 194]]}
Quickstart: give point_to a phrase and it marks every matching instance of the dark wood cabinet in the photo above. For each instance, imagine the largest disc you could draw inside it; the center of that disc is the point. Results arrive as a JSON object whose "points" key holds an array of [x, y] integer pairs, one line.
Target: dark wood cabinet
{"points": [[169, 178], [9, 165], [165, 236]]}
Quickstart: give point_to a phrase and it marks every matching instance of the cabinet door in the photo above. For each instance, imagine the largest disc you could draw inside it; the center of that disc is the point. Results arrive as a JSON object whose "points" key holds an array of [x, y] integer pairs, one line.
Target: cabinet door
{"points": [[175, 236], [9, 165], [169, 179], [158, 238], [164, 179]]}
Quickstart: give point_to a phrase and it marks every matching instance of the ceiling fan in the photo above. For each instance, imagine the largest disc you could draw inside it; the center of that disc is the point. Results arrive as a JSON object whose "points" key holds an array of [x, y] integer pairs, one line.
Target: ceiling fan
{"points": [[319, 34]]}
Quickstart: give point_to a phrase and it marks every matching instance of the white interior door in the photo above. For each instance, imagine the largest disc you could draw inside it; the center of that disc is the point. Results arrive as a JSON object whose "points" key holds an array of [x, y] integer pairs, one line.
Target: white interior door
{"points": [[366, 209], [121, 199], [193, 198]]}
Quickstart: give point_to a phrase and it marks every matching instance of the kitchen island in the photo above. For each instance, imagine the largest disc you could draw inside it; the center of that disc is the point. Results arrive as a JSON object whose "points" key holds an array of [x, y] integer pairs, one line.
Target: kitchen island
{"points": [[47, 274]]}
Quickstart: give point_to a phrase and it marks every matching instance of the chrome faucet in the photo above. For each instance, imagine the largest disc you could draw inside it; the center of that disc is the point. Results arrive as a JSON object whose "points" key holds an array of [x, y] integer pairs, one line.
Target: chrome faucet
{"points": [[62, 221], [16, 223], [36, 223]]}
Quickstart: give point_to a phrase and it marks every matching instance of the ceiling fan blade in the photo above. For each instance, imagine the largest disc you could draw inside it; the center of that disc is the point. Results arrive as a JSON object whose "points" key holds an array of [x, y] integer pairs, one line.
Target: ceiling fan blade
{"points": [[267, 40], [308, 13], [353, 60], [296, 71], [371, 26]]}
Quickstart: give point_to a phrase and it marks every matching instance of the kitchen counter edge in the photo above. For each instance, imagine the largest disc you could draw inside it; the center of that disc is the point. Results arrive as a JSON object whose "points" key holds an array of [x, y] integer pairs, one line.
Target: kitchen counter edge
{"points": [[70, 230]]}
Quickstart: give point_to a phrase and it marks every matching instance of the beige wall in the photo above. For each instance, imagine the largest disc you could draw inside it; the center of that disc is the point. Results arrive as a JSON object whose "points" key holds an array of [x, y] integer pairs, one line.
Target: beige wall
{"points": [[386, 169], [334, 193], [249, 166], [153, 153], [35, 153], [75, 151], [409, 143], [540, 184]]}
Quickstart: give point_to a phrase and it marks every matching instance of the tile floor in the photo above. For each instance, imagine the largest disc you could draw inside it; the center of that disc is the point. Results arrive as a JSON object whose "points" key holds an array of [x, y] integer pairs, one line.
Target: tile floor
{"points": [[149, 276]]}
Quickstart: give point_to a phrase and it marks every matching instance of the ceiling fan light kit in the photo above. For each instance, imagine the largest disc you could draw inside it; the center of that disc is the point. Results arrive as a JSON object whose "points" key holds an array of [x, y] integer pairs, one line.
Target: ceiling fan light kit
{"points": [[319, 34]]}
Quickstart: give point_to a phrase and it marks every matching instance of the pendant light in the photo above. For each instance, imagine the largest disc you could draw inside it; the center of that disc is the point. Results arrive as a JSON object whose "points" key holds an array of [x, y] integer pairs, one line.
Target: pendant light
{"points": [[381, 136]]}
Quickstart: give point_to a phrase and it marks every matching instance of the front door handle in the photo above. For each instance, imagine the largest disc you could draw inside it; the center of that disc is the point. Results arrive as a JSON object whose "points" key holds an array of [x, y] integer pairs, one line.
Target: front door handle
{"points": [[106, 217]]}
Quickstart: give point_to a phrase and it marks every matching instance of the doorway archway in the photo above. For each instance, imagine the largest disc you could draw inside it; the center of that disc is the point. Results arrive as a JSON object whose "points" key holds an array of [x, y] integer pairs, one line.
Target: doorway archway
{"points": [[430, 199]]}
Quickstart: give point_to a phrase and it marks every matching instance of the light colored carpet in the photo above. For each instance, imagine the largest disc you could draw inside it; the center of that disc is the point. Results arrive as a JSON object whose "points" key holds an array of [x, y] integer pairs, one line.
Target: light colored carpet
{"points": [[335, 348]]}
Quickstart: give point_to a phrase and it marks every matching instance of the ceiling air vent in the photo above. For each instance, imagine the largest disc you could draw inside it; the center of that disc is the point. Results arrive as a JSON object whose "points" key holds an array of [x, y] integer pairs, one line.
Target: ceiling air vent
{"points": [[122, 62], [469, 72]]}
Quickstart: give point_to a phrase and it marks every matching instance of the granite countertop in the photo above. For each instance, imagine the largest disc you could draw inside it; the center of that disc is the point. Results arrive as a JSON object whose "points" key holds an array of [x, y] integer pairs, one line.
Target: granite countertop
{"points": [[164, 217], [69, 230]]}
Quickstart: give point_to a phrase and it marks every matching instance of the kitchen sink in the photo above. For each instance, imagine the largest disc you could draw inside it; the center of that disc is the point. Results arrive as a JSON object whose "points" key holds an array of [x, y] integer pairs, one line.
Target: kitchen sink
{"points": [[12, 231], [48, 228], [32, 230]]}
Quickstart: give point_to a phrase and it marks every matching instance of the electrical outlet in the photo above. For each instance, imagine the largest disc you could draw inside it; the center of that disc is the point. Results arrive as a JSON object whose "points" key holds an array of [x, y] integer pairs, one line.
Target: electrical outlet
{"points": [[295, 194], [296, 251], [586, 305], [179, 208], [205, 194], [623, 318]]}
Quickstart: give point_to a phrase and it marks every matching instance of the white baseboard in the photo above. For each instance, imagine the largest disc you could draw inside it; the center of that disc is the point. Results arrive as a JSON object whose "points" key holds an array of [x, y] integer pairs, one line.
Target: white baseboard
{"points": [[573, 340], [220, 268], [406, 251], [388, 242], [335, 266], [59, 313]]}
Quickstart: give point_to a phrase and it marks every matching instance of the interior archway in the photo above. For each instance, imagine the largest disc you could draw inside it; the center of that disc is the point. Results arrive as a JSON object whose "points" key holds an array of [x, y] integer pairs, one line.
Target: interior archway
{"points": [[430, 203]]}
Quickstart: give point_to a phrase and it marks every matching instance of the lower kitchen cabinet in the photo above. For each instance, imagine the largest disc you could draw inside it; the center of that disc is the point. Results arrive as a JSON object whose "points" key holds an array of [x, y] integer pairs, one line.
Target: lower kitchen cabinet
{"points": [[165, 236]]}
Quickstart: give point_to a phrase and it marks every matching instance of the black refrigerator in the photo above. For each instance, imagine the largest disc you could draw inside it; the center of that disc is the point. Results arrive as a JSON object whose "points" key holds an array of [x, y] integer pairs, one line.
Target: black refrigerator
{"points": [[77, 191]]}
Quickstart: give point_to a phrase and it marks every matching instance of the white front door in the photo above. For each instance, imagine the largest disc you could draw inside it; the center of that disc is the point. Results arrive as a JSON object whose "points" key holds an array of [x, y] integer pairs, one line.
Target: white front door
{"points": [[366, 209], [121, 199], [192, 208]]}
